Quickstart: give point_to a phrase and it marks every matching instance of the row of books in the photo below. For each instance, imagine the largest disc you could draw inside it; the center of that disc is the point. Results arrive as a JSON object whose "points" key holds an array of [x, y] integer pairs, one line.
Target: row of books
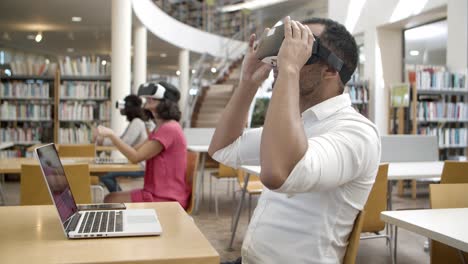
{"points": [[8, 154], [95, 89], [25, 111], [20, 134], [79, 135], [84, 66], [442, 110], [24, 90], [33, 68], [358, 94], [448, 137], [434, 79], [71, 111]]}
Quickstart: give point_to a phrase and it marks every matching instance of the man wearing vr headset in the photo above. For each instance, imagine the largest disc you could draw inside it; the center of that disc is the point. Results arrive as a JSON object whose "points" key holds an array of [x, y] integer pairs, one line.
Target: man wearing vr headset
{"points": [[164, 151], [318, 156], [134, 134]]}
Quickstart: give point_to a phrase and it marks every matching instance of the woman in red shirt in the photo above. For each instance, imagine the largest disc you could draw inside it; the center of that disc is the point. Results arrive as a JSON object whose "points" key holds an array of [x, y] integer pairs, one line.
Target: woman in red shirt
{"points": [[164, 151]]}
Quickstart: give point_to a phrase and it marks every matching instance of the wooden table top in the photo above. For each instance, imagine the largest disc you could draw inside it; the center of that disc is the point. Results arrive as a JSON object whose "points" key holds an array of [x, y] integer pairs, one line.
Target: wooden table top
{"points": [[33, 234], [13, 165]]}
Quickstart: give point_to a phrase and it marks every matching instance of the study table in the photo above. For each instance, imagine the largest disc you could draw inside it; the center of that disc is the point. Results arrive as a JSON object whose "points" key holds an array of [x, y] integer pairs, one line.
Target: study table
{"points": [[32, 234], [13, 165], [447, 226]]}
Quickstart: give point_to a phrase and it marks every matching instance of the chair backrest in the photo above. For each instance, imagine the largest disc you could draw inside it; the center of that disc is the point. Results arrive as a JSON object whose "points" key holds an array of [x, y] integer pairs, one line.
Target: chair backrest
{"points": [[33, 189], [376, 202], [198, 136], [454, 172], [447, 196], [76, 150], [226, 171], [353, 240], [405, 148], [191, 177]]}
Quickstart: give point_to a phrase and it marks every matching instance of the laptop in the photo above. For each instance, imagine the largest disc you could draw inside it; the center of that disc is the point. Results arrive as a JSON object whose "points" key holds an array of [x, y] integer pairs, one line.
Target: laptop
{"points": [[90, 223]]}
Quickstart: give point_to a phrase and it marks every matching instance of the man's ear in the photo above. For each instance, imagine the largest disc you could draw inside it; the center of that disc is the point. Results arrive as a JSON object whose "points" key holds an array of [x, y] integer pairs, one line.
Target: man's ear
{"points": [[329, 73]]}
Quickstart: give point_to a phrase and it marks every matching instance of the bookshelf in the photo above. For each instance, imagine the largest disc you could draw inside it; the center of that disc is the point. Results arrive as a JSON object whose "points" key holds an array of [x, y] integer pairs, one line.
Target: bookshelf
{"points": [[359, 93], [440, 107], [26, 111], [83, 102]]}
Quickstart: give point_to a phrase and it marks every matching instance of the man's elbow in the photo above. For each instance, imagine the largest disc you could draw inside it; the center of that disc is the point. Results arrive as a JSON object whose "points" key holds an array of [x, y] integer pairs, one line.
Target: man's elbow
{"points": [[272, 180]]}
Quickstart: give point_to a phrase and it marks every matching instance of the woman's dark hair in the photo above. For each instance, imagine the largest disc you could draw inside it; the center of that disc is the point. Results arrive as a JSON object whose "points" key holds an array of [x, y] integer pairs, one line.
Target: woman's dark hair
{"points": [[133, 108], [168, 110]]}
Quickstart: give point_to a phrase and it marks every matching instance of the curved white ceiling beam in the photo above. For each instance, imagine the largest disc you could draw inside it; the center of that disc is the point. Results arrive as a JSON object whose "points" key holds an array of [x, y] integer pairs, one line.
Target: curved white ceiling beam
{"points": [[184, 36]]}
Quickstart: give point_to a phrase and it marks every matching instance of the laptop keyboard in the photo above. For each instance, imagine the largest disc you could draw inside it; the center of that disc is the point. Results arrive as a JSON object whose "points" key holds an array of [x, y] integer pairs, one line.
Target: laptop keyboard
{"points": [[108, 160], [99, 222]]}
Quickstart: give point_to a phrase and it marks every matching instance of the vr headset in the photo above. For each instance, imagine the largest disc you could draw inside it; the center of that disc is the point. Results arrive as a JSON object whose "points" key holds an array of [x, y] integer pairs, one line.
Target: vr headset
{"points": [[122, 104], [270, 44], [158, 91]]}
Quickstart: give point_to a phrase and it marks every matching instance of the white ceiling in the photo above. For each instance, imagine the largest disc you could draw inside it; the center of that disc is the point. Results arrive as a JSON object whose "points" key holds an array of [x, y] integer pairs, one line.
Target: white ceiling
{"points": [[92, 36]]}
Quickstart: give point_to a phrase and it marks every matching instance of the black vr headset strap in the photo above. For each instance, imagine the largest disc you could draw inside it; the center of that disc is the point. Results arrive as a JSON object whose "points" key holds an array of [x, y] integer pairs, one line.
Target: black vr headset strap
{"points": [[321, 52]]}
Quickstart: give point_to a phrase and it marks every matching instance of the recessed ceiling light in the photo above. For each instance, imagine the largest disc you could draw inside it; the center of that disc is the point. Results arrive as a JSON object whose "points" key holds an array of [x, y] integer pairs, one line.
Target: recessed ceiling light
{"points": [[104, 62], [194, 71], [163, 55], [214, 70], [38, 37], [177, 73], [47, 61], [76, 19], [70, 49], [414, 52]]}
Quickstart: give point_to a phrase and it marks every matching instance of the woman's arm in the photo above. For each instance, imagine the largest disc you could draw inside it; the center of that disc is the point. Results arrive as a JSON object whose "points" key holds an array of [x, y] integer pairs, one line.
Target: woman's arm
{"points": [[147, 150]]}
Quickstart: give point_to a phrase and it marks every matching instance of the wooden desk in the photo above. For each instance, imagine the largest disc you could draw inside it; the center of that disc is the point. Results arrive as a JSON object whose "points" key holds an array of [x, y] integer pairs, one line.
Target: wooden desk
{"points": [[447, 226], [98, 148], [13, 166], [33, 234]]}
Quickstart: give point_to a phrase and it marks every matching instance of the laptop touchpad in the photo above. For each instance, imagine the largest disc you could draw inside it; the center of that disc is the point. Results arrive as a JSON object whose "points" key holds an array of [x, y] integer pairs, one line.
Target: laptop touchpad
{"points": [[140, 219]]}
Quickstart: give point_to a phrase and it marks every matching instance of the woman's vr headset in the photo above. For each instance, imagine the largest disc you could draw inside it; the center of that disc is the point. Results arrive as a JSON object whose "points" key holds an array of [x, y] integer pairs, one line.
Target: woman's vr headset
{"points": [[270, 44], [158, 91]]}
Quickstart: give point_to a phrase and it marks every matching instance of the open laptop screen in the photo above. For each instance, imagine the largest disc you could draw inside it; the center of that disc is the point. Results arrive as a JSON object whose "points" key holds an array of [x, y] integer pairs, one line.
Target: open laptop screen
{"points": [[57, 181]]}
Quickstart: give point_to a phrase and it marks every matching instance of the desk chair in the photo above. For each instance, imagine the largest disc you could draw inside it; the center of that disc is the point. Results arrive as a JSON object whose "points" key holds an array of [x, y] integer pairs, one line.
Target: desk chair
{"points": [[191, 177], [33, 189], [454, 172], [224, 173], [353, 240], [377, 203], [447, 196], [83, 150], [254, 187]]}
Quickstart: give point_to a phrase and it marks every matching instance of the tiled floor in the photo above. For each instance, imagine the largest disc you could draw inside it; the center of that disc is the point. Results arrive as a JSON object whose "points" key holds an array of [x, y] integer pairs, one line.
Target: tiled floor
{"points": [[217, 230]]}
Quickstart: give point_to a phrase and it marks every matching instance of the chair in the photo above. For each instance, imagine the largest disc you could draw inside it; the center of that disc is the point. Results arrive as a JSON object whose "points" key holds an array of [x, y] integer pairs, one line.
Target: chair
{"points": [[254, 186], [353, 240], [224, 173], [377, 203], [76, 150], [447, 196], [83, 150], [454, 172], [191, 177], [33, 190]]}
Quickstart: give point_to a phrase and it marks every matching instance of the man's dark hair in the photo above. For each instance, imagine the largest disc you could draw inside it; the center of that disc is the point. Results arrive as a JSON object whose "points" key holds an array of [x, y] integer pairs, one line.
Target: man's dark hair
{"points": [[133, 108], [338, 40]]}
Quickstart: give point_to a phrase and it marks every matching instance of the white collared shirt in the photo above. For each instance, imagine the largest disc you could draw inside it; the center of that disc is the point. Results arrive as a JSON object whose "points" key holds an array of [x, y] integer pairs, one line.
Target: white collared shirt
{"points": [[309, 218]]}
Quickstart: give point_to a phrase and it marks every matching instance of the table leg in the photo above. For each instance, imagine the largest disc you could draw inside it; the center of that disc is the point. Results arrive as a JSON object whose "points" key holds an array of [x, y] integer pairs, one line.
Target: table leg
{"points": [[201, 171], [238, 211], [2, 193], [413, 189], [395, 244]]}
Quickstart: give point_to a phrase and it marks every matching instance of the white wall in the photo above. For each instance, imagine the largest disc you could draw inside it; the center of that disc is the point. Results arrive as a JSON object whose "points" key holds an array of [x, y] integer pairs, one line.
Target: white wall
{"points": [[382, 44]]}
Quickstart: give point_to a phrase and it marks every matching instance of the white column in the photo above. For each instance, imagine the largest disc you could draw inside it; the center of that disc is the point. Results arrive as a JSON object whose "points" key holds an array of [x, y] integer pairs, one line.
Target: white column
{"points": [[139, 56], [457, 39], [184, 67], [121, 58]]}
